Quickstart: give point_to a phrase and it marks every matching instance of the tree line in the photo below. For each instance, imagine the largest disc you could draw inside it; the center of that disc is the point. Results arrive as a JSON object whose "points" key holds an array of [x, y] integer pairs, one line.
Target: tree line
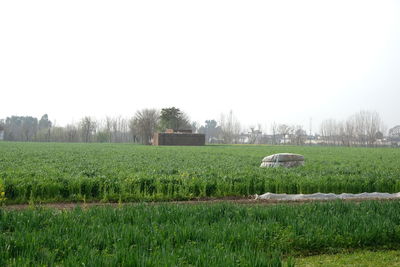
{"points": [[138, 129], [364, 128]]}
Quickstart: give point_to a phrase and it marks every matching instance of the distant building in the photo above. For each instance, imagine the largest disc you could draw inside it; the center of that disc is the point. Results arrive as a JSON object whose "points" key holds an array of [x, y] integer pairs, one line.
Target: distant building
{"points": [[394, 136], [179, 138], [395, 132]]}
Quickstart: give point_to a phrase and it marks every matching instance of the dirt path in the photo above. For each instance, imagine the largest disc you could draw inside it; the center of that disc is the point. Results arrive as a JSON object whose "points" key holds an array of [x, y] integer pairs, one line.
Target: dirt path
{"points": [[235, 200]]}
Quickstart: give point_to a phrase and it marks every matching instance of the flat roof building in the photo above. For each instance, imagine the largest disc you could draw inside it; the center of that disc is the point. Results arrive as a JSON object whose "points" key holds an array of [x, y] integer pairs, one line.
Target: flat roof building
{"points": [[179, 138]]}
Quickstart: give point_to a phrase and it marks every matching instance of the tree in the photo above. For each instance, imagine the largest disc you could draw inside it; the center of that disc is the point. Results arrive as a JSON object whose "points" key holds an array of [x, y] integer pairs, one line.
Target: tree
{"points": [[72, 133], [210, 129], [394, 135], [362, 128], [108, 127], [29, 128], [20, 128], [88, 128], [2, 129], [367, 124], [174, 118], [230, 128], [119, 129], [102, 137], [395, 132], [195, 126], [379, 135], [348, 132], [44, 128], [274, 130], [330, 131], [144, 124], [133, 131], [284, 130], [44, 122], [300, 135], [255, 134]]}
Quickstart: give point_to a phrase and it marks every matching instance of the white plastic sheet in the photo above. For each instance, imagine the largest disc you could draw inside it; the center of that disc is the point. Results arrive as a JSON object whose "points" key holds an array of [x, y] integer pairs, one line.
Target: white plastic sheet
{"points": [[323, 196]]}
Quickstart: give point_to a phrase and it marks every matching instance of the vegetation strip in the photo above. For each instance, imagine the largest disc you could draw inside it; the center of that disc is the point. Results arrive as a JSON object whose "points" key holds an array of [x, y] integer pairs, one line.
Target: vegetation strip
{"points": [[198, 235]]}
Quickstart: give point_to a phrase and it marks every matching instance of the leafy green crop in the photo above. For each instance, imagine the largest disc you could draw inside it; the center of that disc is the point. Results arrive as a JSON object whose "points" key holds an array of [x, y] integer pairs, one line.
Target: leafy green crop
{"points": [[112, 172]]}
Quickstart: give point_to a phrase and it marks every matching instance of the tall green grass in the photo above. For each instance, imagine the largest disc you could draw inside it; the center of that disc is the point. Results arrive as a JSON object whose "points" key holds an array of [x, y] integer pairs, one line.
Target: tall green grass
{"points": [[194, 235], [112, 172]]}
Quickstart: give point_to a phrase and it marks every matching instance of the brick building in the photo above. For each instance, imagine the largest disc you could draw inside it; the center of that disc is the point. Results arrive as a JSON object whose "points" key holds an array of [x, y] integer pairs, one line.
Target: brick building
{"points": [[179, 138]]}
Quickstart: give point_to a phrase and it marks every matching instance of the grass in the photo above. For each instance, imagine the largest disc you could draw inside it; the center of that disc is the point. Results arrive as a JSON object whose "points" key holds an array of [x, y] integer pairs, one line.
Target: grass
{"points": [[51, 172], [389, 258], [194, 235]]}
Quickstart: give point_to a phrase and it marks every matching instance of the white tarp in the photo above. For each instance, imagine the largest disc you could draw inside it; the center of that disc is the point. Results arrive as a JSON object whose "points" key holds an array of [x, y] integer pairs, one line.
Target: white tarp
{"points": [[286, 160], [323, 196]]}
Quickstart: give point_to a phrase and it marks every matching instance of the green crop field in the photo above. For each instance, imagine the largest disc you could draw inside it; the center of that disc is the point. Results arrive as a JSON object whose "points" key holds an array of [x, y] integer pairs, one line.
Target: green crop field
{"points": [[194, 235], [45, 172]]}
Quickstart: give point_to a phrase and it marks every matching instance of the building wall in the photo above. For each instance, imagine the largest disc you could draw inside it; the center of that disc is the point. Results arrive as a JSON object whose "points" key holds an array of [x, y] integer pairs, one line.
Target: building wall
{"points": [[179, 139]]}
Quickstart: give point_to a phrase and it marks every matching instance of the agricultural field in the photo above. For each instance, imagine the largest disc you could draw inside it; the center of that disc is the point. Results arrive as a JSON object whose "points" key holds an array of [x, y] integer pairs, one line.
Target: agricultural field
{"points": [[51, 172], [148, 233]]}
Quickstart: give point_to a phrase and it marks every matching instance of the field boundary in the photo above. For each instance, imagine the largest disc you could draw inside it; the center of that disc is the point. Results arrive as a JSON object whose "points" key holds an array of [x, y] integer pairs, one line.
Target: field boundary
{"points": [[234, 200]]}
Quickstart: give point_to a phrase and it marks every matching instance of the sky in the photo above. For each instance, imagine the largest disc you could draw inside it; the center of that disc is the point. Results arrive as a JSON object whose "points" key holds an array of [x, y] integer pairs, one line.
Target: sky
{"points": [[267, 61]]}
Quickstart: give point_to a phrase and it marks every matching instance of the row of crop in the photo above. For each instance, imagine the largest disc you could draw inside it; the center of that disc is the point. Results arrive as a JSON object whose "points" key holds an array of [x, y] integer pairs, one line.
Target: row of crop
{"points": [[176, 187], [193, 235]]}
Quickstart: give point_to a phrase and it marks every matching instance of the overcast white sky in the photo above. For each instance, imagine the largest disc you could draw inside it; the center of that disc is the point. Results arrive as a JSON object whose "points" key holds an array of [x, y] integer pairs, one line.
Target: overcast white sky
{"points": [[283, 61]]}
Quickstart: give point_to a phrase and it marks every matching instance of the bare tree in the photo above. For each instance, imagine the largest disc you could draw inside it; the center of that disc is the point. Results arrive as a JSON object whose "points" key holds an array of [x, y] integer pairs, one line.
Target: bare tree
{"points": [[230, 128], [72, 133], [299, 135], [108, 128], [330, 131], [115, 129], [133, 131], [362, 128], [374, 126], [87, 128], [367, 125], [349, 131], [274, 131], [284, 130], [237, 128], [255, 134], [145, 124]]}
